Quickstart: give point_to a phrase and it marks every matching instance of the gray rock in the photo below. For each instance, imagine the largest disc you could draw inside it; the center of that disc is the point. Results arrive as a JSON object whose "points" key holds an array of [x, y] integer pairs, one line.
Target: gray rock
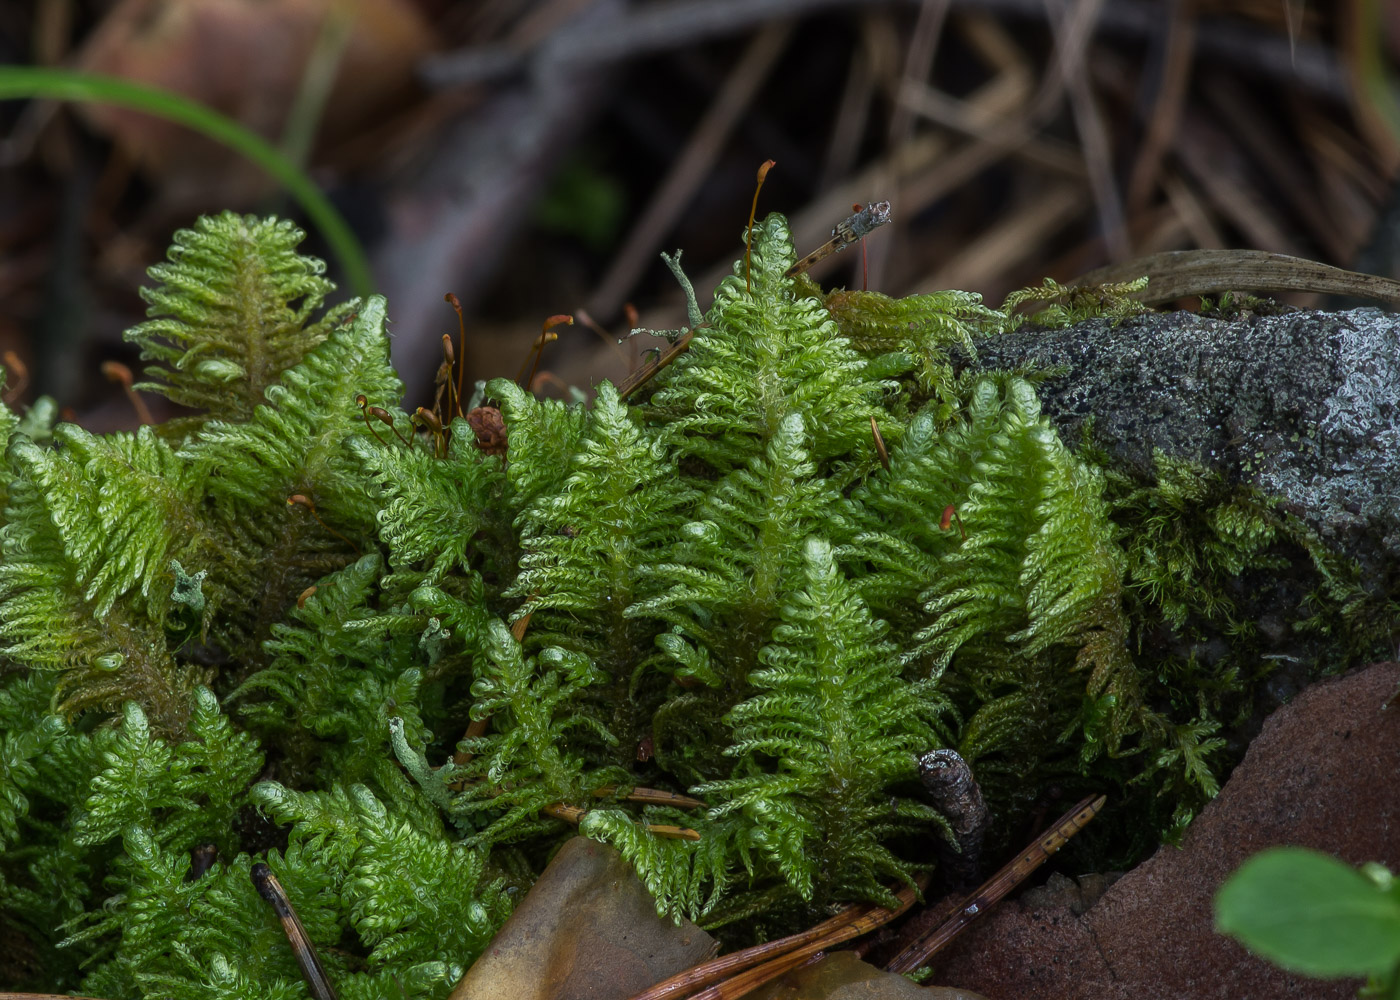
{"points": [[1303, 405]]}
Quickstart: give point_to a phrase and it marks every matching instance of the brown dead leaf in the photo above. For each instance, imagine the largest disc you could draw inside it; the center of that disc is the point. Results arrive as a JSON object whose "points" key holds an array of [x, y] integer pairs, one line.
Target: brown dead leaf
{"points": [[247, 59], [588, 928]]}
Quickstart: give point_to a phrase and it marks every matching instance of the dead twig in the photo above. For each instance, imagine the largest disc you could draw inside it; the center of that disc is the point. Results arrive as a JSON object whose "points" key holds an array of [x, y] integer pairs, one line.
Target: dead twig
{"points": [[989, 892], [1181, 273], [741, 971], [310, 963], [636, 379], [575, 814], [1166, 110], [1072, 35]]}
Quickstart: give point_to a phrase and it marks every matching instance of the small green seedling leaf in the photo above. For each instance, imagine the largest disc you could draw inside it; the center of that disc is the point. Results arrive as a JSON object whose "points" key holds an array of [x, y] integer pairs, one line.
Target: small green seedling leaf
{"points": [[1308, 912]]}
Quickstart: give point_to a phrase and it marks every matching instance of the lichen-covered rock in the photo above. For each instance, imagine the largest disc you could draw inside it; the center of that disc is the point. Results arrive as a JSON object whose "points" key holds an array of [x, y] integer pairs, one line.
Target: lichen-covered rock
{"points": [[1303, 405]]}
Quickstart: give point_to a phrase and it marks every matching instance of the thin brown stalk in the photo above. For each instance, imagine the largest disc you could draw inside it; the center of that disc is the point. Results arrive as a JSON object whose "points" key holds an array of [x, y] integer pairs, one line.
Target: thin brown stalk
{"points": [[763, 169], [988, 893], [655, 797], [302, 947], [751, 979], [694, 163], [15, 365], [636, 379], [853, 921], [586, 319], [117, 372]]}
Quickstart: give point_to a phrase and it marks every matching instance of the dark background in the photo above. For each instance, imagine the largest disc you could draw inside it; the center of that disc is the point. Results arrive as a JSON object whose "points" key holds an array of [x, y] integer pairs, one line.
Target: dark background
{"points": [[535, 156]]}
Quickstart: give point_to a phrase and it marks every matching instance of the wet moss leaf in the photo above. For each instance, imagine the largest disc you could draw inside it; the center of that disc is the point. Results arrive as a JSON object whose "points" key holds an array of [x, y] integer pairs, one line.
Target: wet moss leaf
{"points": [[1311, 913]]}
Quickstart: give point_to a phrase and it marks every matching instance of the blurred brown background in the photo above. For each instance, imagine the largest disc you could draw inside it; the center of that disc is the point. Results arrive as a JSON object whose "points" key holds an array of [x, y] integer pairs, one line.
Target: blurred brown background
{"points": [[535, 156]]}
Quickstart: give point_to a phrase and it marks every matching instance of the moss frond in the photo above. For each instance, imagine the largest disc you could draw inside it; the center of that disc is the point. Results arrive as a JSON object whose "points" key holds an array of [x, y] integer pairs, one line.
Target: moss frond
{"points": [[728, 568], [439, 516], [1055, 305], [543, 436], [296, 444], [187, 791], [86, 575], [769, 351], [685, 877], [925, 327], [233, 310], [822, 815], [586, 546], [537, 752]]}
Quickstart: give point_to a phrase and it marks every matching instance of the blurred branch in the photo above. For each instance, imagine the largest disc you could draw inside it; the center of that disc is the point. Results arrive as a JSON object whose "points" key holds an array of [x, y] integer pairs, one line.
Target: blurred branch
{"points": [[1072, 34], [671, 24], [690, 169], [1181, 273]]}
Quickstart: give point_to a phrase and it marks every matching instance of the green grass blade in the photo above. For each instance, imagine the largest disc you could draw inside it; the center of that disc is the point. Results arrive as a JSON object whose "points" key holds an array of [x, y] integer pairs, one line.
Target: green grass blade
{"points": [[68, 85]]}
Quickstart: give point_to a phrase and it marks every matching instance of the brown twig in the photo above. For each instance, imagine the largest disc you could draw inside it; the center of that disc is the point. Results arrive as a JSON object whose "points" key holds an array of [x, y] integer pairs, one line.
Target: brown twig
{"points": [[655, 797], [117, 372], [880, 444], [1093, 138], [777, 957], [1182, 273], [849, 230], [989, 892], [271, 890], [575, 814], [1166, 109], [635, 380], [954, 792]]}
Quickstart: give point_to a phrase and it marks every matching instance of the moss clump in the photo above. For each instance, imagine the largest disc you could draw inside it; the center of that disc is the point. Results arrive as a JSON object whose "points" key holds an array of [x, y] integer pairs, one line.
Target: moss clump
{"points": [[421, 659]]}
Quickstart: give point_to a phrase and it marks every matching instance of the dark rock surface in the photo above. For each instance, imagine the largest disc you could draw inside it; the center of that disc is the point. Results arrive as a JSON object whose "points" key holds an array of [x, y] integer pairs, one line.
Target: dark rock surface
{"points": [[1321, 774], [1303, 405]]}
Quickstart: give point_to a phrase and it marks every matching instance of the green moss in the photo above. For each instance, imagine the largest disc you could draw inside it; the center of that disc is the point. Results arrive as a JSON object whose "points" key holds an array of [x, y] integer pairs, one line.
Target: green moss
{"points": [[721, 588]]}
